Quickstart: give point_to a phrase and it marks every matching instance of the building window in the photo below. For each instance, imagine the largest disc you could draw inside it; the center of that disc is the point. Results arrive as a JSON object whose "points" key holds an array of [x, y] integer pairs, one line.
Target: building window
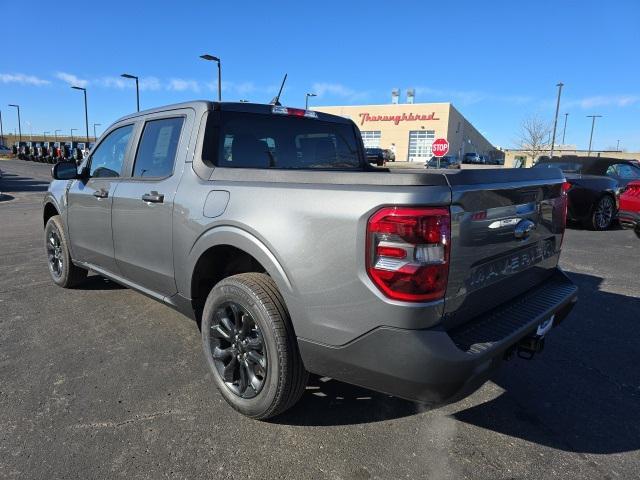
{"points": [[371, 139], [420, 144]]}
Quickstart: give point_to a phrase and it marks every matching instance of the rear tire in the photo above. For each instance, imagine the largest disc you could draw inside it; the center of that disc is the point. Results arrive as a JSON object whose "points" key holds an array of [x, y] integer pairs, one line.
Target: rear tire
{"points": [[603, 213], [62, 270], [250, 346]]}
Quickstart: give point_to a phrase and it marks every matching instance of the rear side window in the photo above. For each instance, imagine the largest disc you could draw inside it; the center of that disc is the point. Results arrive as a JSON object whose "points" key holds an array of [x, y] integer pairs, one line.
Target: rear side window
{"points": [[157, 150], [274, 141]]}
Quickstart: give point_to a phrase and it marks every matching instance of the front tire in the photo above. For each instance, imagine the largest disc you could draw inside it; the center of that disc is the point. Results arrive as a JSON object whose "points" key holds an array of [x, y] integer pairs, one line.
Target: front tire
{"points": [[62, 270], [250, 346], [603, 213]]}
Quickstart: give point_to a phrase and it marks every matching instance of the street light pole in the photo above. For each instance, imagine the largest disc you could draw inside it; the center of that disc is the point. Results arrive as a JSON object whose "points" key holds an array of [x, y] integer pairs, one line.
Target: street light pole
{"points": [[564, 130], [617, 144], [19, 126], [555, 121], [45, 136], [1, 130], [55, 133], [306, 102], [593, 124], [95, 137], [86, 114], [127, 75], [211, 58], [72, 130]]}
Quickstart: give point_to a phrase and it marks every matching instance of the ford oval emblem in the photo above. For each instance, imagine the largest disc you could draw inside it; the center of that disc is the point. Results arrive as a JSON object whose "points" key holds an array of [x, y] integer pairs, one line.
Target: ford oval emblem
{"points": [[523, 229]]}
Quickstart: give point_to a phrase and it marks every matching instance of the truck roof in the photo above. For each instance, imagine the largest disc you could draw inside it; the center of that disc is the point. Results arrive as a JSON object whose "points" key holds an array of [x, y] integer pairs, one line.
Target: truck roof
{"points": [[200, 106]]}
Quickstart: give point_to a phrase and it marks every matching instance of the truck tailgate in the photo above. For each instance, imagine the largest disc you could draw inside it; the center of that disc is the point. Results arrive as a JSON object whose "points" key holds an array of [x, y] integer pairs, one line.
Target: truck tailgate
{"points": [[506, 231]]}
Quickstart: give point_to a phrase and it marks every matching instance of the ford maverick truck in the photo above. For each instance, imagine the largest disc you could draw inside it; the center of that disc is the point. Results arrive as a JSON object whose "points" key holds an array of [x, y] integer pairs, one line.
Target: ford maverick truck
{"points": [[267, 225]]}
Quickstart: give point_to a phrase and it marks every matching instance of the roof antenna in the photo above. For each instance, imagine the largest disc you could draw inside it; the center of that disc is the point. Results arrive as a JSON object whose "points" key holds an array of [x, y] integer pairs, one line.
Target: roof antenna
{"points": [[276, 99]]}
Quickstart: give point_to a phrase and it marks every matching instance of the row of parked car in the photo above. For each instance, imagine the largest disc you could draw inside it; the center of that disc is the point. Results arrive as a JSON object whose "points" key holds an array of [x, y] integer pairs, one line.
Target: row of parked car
{"points": [[600, 190], [51, 152]]}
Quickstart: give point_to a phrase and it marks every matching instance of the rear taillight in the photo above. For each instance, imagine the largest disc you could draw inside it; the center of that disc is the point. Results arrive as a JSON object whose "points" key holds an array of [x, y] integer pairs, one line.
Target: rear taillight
{"points": [[408, 252]]}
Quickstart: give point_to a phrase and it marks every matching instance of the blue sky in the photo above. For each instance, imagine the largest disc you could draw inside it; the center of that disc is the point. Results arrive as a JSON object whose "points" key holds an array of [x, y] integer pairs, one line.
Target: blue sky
{"points": [[497, 62]]}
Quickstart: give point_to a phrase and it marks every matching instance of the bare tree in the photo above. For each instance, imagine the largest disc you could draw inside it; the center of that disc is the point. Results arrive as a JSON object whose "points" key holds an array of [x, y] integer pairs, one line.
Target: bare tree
{"points": [[534, 137]]}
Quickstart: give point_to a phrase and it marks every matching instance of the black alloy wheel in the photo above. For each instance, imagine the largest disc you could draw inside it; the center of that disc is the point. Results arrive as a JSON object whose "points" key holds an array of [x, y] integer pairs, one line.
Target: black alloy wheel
{"points": [[238, 351], [603, 213], [55, 253]]}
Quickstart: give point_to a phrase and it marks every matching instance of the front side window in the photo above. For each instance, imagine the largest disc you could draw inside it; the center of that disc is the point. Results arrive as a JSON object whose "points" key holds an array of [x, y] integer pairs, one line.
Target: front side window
{"points": [[108, 158], [158, 145], [274, 141]]}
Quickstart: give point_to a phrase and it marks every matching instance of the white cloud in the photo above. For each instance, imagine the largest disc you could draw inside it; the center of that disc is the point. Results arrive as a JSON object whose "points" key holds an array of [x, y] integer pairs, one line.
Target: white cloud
{"points": [[181, 85], [23, 79], [149, 83], [468, 97], [603, 101], [72, 80], [338, 90]]}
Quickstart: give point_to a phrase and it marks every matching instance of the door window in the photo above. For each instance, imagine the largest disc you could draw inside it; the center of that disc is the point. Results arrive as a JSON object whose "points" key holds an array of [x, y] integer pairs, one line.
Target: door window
{"points": [[108, 157], [158, 145]]}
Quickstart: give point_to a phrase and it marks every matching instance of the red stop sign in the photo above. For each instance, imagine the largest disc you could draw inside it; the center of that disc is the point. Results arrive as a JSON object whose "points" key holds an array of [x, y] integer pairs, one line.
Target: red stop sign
{"points": [[440, 147]]}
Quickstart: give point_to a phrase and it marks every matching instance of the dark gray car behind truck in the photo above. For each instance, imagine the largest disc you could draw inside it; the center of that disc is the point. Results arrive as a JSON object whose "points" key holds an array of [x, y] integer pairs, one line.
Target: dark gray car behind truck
{"points": [[267, 224]]}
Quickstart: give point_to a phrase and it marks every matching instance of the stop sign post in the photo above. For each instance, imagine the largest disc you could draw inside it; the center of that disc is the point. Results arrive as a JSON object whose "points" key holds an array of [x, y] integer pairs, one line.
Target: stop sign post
{"points": [[439, 148]]}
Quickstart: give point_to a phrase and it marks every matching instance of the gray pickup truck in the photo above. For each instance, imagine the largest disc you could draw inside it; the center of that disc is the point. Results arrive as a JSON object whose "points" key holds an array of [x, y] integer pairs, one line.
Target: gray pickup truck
{"points": [[267, 225]]}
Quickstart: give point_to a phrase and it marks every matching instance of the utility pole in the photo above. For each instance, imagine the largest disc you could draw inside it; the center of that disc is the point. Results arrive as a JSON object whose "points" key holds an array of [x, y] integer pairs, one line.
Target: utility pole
{"points": [[555, 121], [617, 145], [593, 124], [564, 130]]}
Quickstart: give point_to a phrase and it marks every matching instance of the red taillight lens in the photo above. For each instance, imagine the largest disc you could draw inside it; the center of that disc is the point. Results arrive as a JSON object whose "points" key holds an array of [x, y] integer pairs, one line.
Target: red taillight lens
{"points": [[408, 252]]}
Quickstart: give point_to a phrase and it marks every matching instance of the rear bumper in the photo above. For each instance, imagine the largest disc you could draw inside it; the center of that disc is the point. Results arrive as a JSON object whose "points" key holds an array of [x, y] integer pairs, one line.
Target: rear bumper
{"points": [[629, 219], [437, 366]]}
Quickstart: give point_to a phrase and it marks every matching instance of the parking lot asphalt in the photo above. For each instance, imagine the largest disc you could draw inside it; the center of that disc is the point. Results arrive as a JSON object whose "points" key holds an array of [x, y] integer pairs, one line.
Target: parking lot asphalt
{"points": [[102, 382]]}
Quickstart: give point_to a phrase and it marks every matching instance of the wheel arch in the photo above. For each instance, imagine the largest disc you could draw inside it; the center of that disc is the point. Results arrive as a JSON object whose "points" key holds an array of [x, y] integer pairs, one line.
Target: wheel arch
{"points": [[50, 209], [225, 251]]}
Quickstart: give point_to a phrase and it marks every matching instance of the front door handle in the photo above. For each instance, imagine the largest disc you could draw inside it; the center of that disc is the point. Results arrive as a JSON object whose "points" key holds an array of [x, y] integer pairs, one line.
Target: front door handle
{"points": [[102, 193], [153, 197]]}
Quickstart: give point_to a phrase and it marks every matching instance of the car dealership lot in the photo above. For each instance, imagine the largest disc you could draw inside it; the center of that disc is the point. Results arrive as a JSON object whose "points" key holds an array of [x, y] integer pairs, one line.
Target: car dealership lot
{"points": [[101, 382]]}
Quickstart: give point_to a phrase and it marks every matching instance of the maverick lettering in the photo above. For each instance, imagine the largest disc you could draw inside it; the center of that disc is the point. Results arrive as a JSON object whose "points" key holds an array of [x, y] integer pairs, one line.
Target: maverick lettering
{"points": [[396, 119]]}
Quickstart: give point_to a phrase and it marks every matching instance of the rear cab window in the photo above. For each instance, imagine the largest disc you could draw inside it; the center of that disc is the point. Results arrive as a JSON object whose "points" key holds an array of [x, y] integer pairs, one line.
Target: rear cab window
{"points": [[157, 149], [254, 140]]}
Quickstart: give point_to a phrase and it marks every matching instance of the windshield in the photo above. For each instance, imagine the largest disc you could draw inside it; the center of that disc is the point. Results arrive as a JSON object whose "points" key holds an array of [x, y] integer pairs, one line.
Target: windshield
{"points": [[566, 167], [284, 142]]}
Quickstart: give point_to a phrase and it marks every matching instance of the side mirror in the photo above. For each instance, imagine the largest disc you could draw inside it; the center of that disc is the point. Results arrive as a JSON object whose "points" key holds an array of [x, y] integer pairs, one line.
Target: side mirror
{"points": [[64, 171]]}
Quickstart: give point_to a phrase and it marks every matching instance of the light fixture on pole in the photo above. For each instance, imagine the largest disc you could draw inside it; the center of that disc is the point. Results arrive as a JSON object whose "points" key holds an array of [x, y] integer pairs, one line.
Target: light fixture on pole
{"points": [[555, 121], [211, 58], [593, 124], [306, 100], [86, 114], [127, 75], [19, 125]]}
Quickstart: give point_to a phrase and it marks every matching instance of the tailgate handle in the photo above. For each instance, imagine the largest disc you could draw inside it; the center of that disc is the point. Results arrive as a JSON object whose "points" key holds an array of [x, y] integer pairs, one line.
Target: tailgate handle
{"points": [[153, 197]]}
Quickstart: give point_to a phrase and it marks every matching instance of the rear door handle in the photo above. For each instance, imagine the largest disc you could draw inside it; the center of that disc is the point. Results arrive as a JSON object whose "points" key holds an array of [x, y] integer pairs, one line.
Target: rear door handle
{"points": [[153, 197], [102, 193]]}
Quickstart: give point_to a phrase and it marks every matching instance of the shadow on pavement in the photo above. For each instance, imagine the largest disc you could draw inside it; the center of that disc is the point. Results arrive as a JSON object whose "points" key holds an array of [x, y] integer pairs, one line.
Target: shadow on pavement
{"points": [[14, 183], [98, 282], [330, 402], [581, 395]]}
